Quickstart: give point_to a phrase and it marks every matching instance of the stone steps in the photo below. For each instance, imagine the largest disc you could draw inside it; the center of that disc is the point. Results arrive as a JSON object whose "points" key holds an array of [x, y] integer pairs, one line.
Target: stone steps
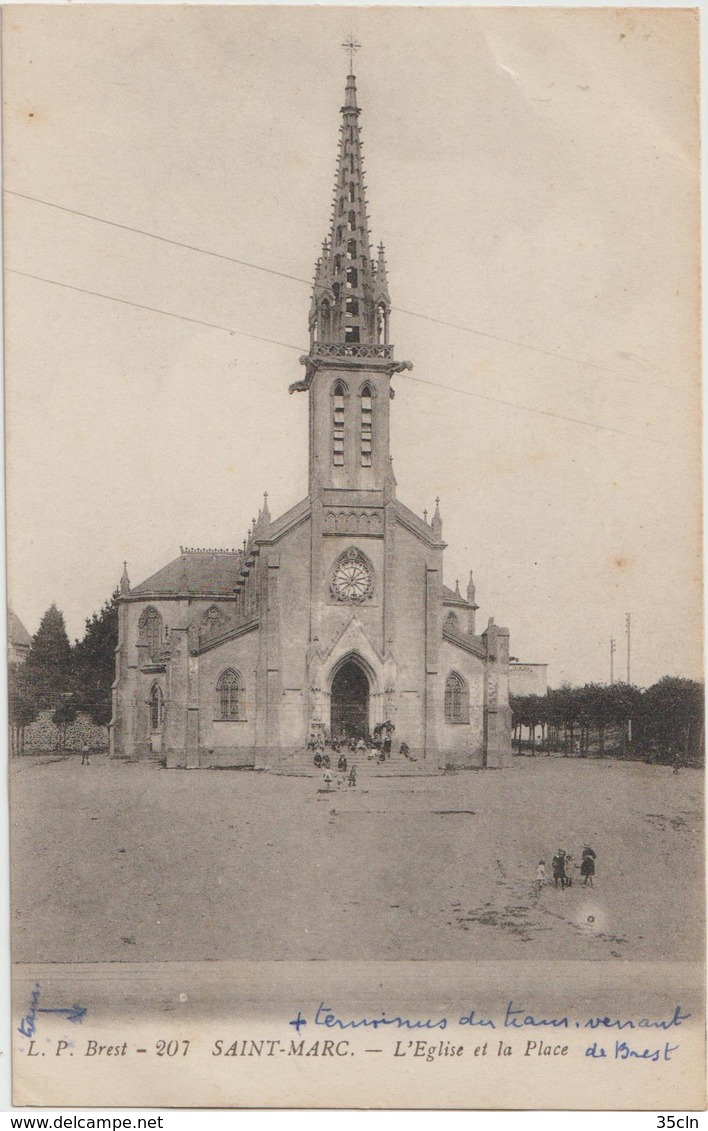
{"points": [[301, 764]]}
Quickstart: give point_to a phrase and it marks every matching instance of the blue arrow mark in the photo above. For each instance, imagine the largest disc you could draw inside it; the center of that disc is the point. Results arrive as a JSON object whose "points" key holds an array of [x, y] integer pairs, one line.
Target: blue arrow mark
{"points": [[73, 1012]]}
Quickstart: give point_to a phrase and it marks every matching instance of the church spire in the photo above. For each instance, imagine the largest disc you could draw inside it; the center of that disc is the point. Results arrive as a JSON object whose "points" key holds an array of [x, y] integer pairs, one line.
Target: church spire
{"points": [[350, 362], [350, 300]]}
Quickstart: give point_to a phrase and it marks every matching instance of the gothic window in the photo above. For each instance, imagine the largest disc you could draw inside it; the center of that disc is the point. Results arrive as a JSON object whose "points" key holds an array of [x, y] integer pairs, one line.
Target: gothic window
{"points": [[339, 393], [325, 321], [351, 162], [451, 622], [366, 425], [351, 221], [352, 277], [352, 306], [230, 693], [351, 334], [352, 192], [457, 706], [211, 619], [150, 628], [381, 324], [351, 249], [157, 707]]}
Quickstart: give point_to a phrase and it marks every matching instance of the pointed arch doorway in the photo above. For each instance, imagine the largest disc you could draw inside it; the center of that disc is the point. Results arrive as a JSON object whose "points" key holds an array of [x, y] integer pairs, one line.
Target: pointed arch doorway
{"points": [[349, 702]]}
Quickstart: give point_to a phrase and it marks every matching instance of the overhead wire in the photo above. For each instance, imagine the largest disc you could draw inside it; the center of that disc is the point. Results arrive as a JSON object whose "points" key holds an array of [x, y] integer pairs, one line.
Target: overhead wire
{"points": [[583, 363], [299, 349], [154, 309]]}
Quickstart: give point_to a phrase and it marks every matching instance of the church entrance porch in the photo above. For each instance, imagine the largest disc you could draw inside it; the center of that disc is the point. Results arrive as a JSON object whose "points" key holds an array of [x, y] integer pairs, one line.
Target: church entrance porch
{"points": [[349, 702]]}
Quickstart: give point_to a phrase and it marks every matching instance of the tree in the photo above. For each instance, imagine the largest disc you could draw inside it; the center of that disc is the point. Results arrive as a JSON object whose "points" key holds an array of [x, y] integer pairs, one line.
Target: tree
{"points": [[49, 660], [563, 709], [625, 705], [22, 705], [518, 714], [95, 663], [528, 711], [101, 715], [63, 716], [672, 719]]}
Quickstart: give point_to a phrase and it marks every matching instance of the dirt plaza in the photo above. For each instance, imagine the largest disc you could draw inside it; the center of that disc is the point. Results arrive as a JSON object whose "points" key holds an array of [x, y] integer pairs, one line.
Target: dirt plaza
{"points": [[119, 862]]}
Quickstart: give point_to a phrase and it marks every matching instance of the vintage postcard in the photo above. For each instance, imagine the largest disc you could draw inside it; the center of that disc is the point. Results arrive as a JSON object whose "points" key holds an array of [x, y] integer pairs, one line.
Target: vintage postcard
{"points": [[354, 556]]}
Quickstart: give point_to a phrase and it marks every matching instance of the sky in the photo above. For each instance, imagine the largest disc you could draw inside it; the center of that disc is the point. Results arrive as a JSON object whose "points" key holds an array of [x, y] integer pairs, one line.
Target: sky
{"points": [[533, 175]]}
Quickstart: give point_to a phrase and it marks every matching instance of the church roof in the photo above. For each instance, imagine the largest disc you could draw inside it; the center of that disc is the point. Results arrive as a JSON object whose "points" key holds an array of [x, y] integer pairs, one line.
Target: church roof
{"points": [[450, 597], [201, 573], [16, 631], [289, 518], [418, 525]]}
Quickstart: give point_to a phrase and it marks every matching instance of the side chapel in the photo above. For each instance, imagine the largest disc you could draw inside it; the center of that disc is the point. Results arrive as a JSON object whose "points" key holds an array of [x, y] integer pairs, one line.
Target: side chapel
{"points": [[334, 617]]}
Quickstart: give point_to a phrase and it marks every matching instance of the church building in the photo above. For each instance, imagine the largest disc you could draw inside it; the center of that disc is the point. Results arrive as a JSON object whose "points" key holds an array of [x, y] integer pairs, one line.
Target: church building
{"points": [[334, 617]]}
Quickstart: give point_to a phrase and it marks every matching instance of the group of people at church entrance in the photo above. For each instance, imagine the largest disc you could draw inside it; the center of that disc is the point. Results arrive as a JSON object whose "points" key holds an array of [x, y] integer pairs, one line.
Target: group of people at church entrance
{"points": [[376, 747], [562, 866]]}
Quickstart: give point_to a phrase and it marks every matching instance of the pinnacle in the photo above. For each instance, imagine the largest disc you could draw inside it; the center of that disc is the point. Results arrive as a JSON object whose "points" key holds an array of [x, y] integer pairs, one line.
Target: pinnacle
{"points": [[353, 312]]}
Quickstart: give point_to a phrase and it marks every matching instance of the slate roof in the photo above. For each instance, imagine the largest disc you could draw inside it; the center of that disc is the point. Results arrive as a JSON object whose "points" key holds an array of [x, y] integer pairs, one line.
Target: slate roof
{"points": [[196, 573], [16, 631]]}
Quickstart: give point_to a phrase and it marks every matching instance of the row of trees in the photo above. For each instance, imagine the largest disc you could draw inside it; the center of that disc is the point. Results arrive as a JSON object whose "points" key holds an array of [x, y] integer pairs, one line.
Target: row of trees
{"points": [[62, 678], [665, 722]]}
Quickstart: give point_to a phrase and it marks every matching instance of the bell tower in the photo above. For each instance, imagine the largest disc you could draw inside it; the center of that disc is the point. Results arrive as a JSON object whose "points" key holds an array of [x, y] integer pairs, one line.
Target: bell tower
{"points": [[350, 362]]}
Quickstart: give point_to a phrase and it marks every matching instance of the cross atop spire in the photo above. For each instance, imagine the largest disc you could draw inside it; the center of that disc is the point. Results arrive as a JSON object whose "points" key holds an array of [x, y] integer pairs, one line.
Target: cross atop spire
{"points": [[351, 45]]}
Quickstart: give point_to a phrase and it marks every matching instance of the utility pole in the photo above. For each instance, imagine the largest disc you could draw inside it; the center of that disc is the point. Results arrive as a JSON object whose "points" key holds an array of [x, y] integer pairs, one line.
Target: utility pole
{"points": [[613, 648], [628, 622]]}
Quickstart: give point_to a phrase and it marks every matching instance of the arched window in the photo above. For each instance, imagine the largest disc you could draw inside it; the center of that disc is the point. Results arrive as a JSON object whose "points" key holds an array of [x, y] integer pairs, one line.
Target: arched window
{"points": [[338, 395], [366, 425], [452, 622], [211, 619], [150, 628], [325, 321], [457, 707], [381, 324], [230, 692], [157, 707]]}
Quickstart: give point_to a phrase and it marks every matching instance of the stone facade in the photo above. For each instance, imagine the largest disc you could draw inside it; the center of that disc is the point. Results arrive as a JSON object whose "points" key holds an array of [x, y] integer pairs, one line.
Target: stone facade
{"points": [[333, 618], [43, 734], [528, 679]]}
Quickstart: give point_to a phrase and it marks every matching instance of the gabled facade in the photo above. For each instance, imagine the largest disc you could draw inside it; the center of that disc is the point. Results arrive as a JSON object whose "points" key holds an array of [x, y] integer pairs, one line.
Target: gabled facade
{"points": [[19, 640], [334, 617]]}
